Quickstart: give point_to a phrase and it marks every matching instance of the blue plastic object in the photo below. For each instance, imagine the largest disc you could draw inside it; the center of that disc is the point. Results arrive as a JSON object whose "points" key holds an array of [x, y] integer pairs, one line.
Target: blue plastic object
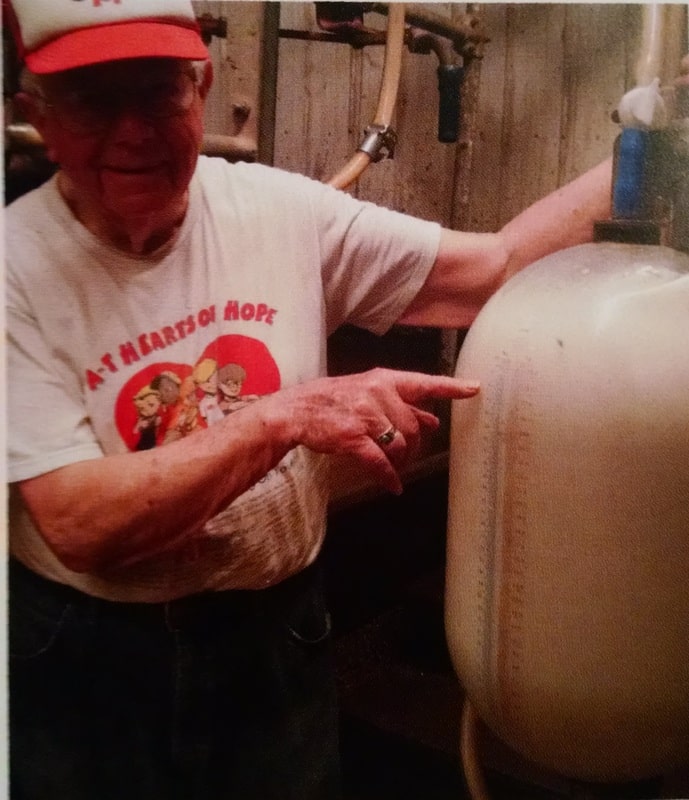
{"points": [[628, 190]]}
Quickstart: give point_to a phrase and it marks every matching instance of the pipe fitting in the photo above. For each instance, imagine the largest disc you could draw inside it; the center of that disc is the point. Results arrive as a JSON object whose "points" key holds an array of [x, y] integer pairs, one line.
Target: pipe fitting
{"points": [[211, 26], [379, 142]]}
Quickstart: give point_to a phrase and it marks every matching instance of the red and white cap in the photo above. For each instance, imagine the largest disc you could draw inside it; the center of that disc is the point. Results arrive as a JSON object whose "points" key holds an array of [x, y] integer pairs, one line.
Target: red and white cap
{"points": [[54, 35]]}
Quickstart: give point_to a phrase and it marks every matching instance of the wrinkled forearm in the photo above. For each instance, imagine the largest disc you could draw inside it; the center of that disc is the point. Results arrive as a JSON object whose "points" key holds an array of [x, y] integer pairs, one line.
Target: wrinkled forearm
{"points": [[109, 512], [562, 219]]}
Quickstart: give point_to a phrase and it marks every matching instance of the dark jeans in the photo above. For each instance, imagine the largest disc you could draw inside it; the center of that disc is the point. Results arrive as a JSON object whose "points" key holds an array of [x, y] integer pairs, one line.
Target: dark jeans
{"points": [[226, 695]]}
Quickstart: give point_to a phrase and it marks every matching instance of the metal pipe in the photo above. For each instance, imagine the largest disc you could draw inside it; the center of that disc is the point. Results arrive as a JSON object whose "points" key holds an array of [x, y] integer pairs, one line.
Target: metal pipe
{"points": [[650, 61], [20, 137], [467, 31], [232, 148], [350, 36]]}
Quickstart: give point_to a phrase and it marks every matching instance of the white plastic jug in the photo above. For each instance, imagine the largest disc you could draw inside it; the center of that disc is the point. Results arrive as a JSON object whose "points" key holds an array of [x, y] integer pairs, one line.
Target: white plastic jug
{"points": [[567, 598]]}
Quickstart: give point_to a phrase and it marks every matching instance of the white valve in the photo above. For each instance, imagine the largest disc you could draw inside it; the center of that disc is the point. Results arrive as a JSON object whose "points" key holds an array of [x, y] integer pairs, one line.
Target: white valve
{"points": [[643, 107]]}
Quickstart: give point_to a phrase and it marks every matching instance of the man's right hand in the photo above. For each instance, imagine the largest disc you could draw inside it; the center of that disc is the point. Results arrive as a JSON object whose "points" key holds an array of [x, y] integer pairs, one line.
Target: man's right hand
{"points": [[349, 415]]}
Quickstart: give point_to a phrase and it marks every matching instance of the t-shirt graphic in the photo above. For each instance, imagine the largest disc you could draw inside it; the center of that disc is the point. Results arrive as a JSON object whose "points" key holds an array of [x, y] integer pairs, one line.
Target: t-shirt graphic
{"points": [[167, 401]]}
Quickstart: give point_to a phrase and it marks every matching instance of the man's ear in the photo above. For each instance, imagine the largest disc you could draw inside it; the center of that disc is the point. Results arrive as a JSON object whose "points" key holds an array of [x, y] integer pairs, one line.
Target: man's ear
{"points": [[206, 80], [29, 108]]}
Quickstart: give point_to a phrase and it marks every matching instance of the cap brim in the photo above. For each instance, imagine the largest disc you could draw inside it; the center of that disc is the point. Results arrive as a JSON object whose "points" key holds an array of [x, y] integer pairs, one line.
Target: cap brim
{"points": [[136, 39]]}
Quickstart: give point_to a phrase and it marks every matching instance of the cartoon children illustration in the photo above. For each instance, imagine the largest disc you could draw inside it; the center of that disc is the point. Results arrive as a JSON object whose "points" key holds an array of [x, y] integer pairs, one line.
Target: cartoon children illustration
{"points": [[185, 417], [206, 379], [230, 380], [170, 408], [147, 403], [167, 384]]}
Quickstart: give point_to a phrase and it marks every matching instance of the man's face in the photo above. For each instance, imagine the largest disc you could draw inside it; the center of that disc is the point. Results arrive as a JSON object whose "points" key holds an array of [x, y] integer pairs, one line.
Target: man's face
{"points": [[126, 134]]}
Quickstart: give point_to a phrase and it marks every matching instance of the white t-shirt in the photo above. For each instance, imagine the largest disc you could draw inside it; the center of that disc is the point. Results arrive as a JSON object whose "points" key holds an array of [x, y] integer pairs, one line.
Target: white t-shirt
{"points": [[264, 267]]}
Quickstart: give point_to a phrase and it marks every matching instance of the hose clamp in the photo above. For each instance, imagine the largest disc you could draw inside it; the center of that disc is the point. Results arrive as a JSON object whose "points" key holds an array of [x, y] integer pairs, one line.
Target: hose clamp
{"points": [[379, 142]]}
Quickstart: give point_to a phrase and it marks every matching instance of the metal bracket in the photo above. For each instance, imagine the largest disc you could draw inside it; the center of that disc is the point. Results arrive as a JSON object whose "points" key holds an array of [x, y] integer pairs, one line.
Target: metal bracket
{"points": [[211, 26], [379, 142]]}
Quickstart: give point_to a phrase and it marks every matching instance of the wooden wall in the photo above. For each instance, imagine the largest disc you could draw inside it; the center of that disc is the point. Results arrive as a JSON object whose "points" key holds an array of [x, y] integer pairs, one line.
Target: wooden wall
{"points": [[233, 105], [549, 80], [537, 106]]}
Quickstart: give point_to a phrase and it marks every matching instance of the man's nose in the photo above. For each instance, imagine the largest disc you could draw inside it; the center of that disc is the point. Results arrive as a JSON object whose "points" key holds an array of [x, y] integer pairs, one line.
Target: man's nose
{"points": [[130, 123]]}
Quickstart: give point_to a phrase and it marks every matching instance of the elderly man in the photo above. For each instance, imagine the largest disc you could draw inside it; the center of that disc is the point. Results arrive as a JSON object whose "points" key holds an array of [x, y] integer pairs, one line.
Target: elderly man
{"points": [[168, 634]]}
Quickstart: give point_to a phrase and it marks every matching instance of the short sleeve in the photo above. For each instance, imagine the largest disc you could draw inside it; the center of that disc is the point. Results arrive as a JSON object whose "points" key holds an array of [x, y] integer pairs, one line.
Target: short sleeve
{"points": [[47, 424]]}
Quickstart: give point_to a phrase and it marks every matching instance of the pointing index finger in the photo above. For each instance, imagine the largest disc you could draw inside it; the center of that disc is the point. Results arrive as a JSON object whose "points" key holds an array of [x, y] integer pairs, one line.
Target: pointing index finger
{"points": [[415, 386]]}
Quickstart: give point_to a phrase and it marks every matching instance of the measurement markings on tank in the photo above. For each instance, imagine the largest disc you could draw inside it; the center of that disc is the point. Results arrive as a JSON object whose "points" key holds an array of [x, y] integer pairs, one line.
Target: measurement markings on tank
{"points": [[488, 524], [505, 473]]}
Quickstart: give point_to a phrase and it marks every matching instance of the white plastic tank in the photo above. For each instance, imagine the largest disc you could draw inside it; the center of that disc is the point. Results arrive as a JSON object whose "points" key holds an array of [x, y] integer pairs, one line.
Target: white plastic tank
{"points": [[567, 599]]}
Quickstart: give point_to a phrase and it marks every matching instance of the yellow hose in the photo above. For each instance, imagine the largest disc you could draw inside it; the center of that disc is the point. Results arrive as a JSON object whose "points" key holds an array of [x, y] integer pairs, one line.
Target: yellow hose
{"points": [[392, 66]]}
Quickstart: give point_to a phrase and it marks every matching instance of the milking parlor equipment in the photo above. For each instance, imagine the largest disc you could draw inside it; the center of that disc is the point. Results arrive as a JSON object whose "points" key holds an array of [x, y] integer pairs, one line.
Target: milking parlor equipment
{"points": [[414, 26], [567, 595]]}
